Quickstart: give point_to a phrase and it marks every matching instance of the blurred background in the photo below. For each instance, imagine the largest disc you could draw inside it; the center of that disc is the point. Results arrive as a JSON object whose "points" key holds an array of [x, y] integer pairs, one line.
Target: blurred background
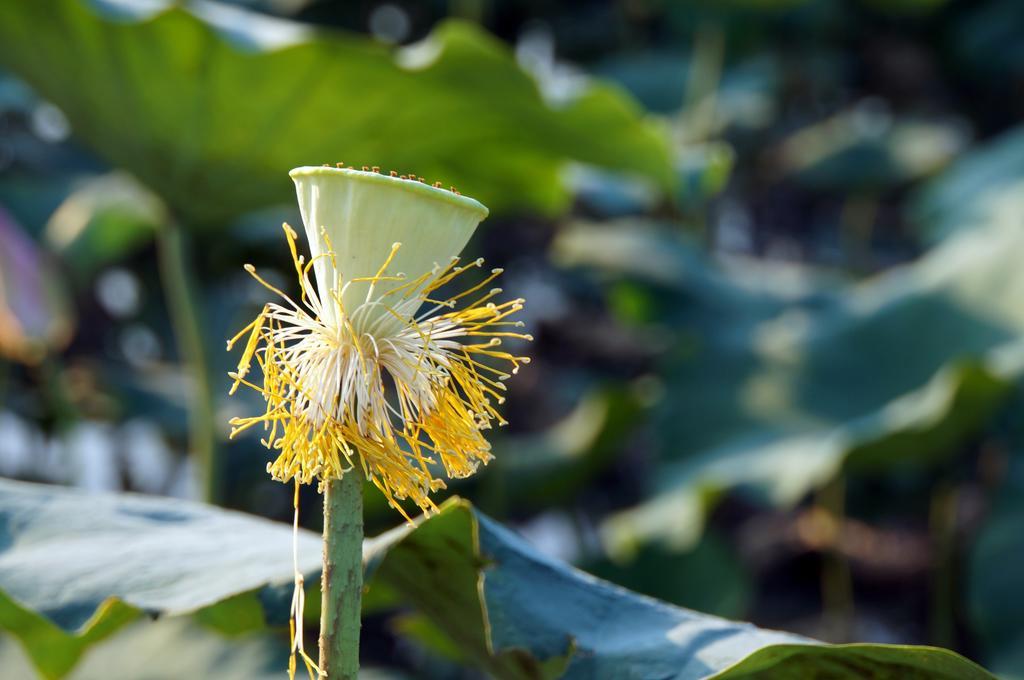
{"points": [[773, 252]]}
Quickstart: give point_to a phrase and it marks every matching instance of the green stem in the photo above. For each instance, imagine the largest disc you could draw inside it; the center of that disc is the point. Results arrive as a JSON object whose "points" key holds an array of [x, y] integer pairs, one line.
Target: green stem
{"points": [[942, 521], [55, 390], [857, 223], [836, 578], [342, 581], [185, 319], [696, 120], [468, 10]]}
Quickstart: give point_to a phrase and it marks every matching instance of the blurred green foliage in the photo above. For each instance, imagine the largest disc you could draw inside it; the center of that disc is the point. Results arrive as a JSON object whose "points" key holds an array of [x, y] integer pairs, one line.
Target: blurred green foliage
{"points": [[214, 103]]}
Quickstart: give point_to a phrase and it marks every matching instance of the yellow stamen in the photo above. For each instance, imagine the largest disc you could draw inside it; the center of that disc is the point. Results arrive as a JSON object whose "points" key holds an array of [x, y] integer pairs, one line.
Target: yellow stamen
{"points": [[380, 383]]}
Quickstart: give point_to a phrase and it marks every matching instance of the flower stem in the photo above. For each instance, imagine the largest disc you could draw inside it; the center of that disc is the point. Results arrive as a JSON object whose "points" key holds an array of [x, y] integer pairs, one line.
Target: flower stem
{"points": [[943, 528], [186, 322], [838, 607], [342, 580]]}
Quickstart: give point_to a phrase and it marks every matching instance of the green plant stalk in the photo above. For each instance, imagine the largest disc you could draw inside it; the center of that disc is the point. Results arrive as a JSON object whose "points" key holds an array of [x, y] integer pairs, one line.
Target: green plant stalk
{"points": [[696, 119], [857, 224], [176, 279], [836, 579], [53, 386], [695, 122], [341, 584], [942, 526]]}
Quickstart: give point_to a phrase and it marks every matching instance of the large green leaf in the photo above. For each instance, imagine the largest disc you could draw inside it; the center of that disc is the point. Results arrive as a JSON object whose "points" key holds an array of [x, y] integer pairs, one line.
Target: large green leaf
{"points": [[210, 105], [172, 649], [75, 567], [881, 662], [545, 468], [710, 578], [986, 41], [486, 592], [985, 185], [104, 220], [995, 571], [55, 651], [994, 588], [862, 151], [167, 650], [777, 388], [522, 615]]}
